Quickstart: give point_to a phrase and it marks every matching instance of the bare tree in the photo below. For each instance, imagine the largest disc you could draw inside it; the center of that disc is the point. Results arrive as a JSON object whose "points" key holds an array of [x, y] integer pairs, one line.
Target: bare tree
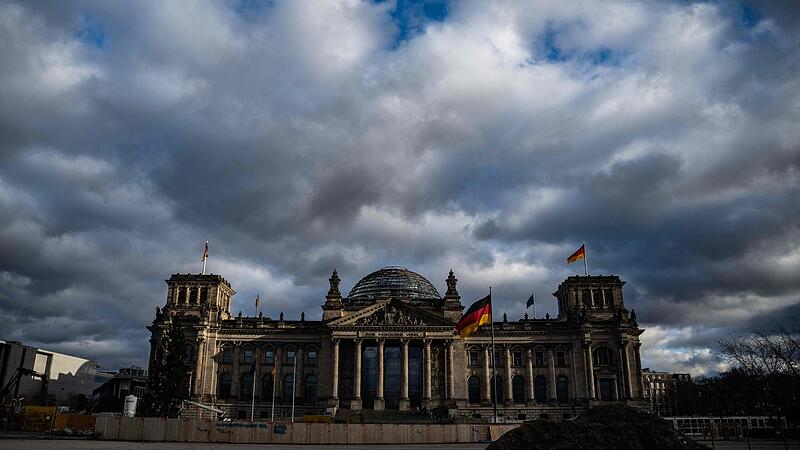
{"points": [[765, 353], [771, 359]]}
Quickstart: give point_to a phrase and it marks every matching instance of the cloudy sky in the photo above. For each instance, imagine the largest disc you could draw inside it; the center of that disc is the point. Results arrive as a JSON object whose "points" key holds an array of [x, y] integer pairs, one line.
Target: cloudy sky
{"points": [[487, 137]]}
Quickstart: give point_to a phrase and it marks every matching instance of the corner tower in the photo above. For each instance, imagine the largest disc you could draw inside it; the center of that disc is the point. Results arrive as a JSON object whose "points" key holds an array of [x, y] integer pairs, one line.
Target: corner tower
{"points": [[598, 297], [203, 296]]}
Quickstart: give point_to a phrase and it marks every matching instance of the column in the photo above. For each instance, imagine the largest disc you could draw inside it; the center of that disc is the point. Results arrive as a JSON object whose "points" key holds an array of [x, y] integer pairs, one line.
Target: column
{"points": [[299, 381], [426, 394], [551, 373], [487, 384], [627, 368], [335, 383], [589, 365], [235, 374], [450, 376], [638, 369], [380, 403], [405, 403], [508, 386], [356, 402], [531, 399], [198, 366]]}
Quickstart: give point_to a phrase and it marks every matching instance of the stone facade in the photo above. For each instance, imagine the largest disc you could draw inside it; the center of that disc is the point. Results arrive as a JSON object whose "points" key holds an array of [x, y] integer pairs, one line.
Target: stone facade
{"points": [[391, 345]]}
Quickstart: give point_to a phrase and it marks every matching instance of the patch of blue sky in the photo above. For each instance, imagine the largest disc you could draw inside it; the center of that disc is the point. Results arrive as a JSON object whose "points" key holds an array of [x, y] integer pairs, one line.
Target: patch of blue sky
{"points": [[412, 17], [546, 50], [749, 16], [92, 32], [250, 9]]}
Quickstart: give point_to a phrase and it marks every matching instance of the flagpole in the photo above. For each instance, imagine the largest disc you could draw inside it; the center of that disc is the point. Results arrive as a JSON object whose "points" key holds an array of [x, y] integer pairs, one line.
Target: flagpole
{"points": [[273, 388], [294, 382], [494, 366], [585, 264], [205, 257]]}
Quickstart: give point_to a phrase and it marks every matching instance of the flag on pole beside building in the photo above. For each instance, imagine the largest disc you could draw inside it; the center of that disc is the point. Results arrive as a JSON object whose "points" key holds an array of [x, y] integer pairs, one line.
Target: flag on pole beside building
{"points": [[578, 255], [531, 301], [478, 314], [205, 253], [258, 301]]}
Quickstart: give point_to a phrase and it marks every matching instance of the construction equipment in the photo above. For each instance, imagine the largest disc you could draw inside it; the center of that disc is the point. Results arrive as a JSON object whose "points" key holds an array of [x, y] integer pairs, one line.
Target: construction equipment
{"points": [[14, 381]]}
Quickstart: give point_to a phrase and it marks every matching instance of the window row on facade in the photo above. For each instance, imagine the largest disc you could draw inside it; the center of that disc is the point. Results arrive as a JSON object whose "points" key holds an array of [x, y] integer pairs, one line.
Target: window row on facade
{"points": [[518, 390], [602, 356], [539, 357], [283, 388], [268, 355]]}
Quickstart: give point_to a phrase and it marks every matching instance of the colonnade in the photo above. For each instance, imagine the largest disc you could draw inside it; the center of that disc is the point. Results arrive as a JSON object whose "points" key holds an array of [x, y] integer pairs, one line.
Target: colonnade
{"points": [[380, 401]]}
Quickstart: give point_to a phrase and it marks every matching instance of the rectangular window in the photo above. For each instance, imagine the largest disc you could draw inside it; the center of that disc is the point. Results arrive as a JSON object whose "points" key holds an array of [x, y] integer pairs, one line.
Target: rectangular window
{"points": [[269, 356], [473, 358], [561, 358], [517, 359], [227, 356], [538, 359], [290, 357], [311, 357], [247, 356], [499, 357]]}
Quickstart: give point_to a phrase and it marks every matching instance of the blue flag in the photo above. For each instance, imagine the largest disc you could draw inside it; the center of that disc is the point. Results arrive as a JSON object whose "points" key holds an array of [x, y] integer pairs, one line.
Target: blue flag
{"points": [[531, 301]]}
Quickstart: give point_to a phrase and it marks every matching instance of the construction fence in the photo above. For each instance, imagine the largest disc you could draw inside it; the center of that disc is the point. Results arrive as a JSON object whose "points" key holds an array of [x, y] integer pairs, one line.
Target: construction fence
{"points": [[207, 430]]}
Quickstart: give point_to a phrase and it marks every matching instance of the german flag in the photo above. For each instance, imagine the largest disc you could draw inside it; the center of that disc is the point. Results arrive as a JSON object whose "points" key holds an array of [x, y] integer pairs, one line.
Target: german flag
{"points": [[478, 314], [578, 255]]}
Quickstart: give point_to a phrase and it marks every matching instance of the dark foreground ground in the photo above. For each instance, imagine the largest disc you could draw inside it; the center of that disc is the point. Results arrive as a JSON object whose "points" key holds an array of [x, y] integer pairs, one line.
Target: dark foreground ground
{"points": [[610, 428], [22, 444], [28, 444]]}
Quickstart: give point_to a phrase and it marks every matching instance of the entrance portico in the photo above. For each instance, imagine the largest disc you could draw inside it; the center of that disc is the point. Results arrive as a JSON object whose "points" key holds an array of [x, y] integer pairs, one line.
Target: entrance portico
{"points": [[393, 350]]}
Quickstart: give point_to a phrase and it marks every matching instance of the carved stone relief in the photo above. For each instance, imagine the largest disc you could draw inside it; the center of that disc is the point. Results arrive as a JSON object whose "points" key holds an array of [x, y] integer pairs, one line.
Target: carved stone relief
{"points": [[390, 316]]}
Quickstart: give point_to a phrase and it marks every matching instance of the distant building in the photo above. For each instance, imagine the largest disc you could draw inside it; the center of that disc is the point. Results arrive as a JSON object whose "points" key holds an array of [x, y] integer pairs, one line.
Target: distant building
{"points": [[67, 375], [390, 345], [111, 395], [656, 385]]}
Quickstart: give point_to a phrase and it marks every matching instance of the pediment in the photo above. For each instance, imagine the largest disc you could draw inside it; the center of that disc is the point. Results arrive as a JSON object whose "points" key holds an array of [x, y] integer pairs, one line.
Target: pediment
{"points": [[391, 313]]}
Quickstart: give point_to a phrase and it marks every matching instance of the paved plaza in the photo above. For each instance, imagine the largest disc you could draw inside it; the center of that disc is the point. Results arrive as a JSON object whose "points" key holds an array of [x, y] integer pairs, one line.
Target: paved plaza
{"points": [[43, 444]]}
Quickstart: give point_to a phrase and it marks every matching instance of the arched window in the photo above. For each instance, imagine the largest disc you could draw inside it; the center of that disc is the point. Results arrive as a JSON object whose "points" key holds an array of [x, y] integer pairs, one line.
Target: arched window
{"points": [[224, 390], [311, 388], [540, 389], [266, 387], [474, 384], [562, 389], [181, 296], [500, 389], [288, 388], [246, 386], [518, 389], [603, 356]]}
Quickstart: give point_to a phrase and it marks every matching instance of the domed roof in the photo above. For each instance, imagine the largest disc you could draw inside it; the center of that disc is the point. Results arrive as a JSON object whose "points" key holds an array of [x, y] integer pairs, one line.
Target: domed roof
{"points": [[396, 282]]}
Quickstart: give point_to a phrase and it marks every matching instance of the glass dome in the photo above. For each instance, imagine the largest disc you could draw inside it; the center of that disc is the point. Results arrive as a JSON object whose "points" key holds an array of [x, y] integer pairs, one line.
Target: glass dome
{"points": [[395, 282]]}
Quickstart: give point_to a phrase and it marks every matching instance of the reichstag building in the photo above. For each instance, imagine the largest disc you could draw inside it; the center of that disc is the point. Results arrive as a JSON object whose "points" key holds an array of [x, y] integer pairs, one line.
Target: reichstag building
{"points": [[389, 349]]}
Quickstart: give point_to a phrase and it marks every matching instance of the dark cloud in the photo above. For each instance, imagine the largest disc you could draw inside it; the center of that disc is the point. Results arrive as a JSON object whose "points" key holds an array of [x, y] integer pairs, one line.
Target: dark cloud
{"points": [[489, 140]]}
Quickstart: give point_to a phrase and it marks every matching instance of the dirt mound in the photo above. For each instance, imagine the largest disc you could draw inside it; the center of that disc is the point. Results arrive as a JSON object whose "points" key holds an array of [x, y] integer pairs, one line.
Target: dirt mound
{"points": [[603, 427]]}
